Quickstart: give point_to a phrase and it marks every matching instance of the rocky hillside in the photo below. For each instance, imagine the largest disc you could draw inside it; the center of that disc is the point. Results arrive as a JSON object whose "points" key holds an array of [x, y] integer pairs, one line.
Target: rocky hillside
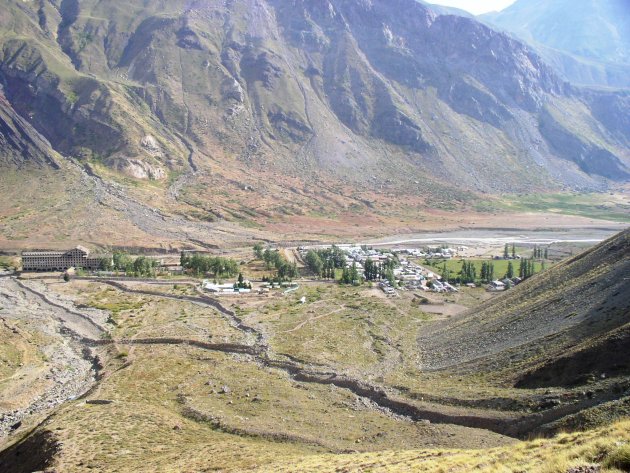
{"points": [[372, 92], [564, 327], [588, 40]]}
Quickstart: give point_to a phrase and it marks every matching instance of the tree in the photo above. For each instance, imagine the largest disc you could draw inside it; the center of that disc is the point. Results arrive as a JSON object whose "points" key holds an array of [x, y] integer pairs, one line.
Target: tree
{"points": [[286, 271], [531, 269], [468, 272], [66, 277], [354, 274], [446, 274], [258, 250], [510, 270], [345, 277], [269, 258], [143, 266], [314, 262], [389, 275], [546, 253], [220, 267], [105, 264], [122, 261], [371, 271], [506, 251], [183, 258], [513, 251], [487, 272]]}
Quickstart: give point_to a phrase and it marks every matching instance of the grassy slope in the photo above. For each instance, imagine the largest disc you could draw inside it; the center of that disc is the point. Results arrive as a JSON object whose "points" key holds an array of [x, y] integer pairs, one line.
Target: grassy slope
{"points": [[613, 207], [607, 446]]}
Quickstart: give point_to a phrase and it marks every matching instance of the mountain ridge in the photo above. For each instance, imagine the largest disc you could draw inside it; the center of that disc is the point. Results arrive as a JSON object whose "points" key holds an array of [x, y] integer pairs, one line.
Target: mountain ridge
{"points": [[421, 102], [587, 41]]}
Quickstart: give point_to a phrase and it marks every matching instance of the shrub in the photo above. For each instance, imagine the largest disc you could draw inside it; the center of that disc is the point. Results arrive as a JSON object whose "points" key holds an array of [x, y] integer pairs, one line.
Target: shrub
{"points": [[619, 458]]}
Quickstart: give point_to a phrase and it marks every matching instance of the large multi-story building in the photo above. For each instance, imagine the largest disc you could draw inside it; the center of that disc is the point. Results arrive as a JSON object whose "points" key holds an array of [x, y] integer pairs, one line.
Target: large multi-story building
{"points": [[78, 257]]}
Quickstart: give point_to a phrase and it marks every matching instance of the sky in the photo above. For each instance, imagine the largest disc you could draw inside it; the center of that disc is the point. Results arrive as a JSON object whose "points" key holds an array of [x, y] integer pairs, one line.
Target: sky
{"points": [[476, 7]]}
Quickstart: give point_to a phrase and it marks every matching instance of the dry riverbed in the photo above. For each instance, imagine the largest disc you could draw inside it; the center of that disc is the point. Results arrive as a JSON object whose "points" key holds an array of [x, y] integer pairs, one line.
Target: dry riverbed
{"points": [[42, 361]]}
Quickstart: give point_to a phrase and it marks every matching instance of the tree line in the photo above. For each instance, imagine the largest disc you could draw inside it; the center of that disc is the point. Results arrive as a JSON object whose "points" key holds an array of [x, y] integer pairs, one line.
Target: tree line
{"points": [[204, 264], [139, 266], [324, 262], [539, 252], [468, 273], [378, 271], [274, 260]]}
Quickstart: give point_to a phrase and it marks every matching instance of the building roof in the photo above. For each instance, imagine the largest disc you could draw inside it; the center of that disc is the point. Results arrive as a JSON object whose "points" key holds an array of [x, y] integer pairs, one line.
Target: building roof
{"points": [[55, 253]]}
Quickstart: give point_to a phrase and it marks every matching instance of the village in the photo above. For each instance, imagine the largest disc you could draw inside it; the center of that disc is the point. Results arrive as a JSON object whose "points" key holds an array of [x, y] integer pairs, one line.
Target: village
{"points": [[437, 269], [408, 274]]}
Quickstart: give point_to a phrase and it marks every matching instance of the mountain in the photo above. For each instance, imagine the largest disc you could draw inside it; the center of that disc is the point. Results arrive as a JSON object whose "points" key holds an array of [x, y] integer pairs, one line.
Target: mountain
{"points": [[202, 97], [588, 40], [445, 10]]}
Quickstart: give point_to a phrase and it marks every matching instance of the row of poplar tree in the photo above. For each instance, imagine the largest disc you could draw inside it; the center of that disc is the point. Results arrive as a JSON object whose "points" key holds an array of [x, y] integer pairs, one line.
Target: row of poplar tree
{"points": [[539, 252], [468, 273]]}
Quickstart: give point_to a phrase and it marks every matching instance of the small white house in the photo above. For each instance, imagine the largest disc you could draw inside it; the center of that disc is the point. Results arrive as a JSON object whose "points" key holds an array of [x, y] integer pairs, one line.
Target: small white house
{"points": [[497, 286], [210, 287]]}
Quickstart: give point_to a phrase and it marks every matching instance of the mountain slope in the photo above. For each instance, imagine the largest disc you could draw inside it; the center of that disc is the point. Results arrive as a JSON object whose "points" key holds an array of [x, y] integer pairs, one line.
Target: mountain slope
{"points": [[557, 328], [372, 94], [588, 40]]}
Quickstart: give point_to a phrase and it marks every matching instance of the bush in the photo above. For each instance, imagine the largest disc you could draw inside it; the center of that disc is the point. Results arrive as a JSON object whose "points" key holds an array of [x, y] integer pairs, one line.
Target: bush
{"points": [[619, 458]]}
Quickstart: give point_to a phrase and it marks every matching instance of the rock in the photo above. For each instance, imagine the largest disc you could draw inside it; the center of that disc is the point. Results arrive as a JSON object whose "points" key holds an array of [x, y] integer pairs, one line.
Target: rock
{"points": [[231, 89], [585, 469], [225, 390], [140, 169], [151, 145]]}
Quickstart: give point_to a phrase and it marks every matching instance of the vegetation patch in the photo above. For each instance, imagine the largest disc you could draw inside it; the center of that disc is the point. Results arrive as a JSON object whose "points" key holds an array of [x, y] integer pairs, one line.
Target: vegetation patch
{"points": [[599, 206]]}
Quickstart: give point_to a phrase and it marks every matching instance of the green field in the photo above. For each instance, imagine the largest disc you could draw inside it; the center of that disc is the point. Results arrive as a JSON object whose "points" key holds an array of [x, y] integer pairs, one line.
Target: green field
{"points": [[614, 207], [500, 266]]}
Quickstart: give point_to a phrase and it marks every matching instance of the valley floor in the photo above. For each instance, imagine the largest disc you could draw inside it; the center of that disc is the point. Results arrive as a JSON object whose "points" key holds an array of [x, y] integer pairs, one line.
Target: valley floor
{"points": [[46, 209], [170, 379]]}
